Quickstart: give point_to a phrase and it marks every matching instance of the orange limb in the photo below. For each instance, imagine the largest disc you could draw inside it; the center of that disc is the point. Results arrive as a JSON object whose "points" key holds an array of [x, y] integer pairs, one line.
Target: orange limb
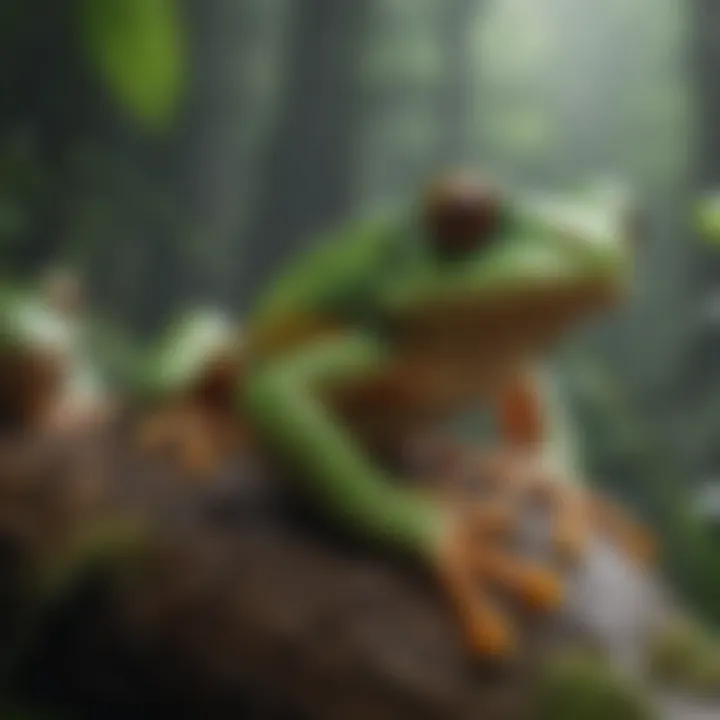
{"points": [[571, 531], [472, 565], [520, 414], [539, 588], [491, 520], [485, 627], [579, 512], [522, 424]]}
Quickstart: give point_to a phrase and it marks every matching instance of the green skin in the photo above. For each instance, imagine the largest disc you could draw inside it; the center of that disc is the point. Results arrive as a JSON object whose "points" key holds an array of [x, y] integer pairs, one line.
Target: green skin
{"points": [[375, 276]]}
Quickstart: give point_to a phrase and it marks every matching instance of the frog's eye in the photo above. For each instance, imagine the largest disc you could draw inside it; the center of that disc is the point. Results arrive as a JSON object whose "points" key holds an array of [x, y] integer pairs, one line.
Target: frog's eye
{"points": [[461, 213]]}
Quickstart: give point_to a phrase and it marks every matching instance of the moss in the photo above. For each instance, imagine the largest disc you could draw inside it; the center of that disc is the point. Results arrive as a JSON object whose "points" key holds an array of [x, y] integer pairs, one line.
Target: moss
{"points": [[705, 678], [12, 710], [684, 656], [674, 649], [581, 686], [105, 544]]}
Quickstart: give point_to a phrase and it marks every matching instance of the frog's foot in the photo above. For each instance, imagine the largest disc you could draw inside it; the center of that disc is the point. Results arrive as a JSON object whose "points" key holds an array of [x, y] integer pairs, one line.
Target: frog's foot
{"points": [[571, 525], [538, 588], [578, 513], [517, 478], [473, 569], [486, 627]]}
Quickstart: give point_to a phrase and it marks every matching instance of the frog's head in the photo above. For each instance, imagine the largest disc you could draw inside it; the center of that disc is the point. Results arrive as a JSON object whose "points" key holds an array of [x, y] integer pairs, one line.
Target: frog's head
{"points": [[491, 269]]}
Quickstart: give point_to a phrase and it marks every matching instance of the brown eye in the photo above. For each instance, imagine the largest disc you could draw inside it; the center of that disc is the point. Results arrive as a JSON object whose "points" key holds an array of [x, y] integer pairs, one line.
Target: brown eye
{"points": [[461, 213]]}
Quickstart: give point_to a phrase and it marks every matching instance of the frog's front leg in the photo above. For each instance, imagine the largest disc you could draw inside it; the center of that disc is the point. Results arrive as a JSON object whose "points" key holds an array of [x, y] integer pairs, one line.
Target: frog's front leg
{"points": [[285, 402], [526, 426]]}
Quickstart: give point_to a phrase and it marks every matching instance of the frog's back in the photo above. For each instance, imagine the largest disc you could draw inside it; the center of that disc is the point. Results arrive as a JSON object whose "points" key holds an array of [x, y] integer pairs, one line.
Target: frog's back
{"points": [[313, 294]]}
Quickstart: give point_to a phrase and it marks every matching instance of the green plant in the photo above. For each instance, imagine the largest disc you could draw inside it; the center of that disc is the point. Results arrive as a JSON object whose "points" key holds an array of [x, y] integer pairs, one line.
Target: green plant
{"points": [[138, 48], [577, 685]]}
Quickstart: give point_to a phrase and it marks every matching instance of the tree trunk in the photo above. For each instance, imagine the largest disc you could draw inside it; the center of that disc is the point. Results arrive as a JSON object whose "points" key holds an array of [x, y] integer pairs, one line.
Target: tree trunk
{"points": [[47, 108], [237, 606], [310, 169], [456, 29]]}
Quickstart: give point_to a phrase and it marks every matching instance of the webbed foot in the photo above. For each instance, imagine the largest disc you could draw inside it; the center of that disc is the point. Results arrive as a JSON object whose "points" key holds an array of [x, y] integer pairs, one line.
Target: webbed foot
{"points": [[475, 567], [518, 479], [578, 513]]}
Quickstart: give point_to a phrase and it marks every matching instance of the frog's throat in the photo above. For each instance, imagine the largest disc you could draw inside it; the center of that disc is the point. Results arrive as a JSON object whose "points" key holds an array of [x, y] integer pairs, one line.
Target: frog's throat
{"points": [[507, 322]]}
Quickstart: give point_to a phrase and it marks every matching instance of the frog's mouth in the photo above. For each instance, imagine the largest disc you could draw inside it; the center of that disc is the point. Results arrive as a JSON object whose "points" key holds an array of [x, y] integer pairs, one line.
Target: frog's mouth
{"points": [[490, 337], [514, 312]]}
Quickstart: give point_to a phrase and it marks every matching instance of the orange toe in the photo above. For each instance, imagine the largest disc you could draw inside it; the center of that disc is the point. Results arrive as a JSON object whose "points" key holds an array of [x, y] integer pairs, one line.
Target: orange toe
{"points": [[490, 635], [543, 590], [537, 587]]}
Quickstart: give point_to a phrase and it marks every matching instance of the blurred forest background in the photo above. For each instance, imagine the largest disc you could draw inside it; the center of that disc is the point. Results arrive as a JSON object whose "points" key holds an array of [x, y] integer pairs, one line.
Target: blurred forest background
{"points": [[174, 151]]}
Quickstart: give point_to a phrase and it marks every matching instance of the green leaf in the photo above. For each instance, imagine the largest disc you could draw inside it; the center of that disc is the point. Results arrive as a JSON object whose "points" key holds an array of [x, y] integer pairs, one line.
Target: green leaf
{"points": [[707, 218], [138, 48]]}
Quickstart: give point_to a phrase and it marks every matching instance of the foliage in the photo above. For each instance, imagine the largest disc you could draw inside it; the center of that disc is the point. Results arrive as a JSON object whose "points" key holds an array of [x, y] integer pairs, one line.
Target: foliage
{"points": [[708, 218], [577, 685], [630, 457], [555, 91], [687, 657], [138, 48]]}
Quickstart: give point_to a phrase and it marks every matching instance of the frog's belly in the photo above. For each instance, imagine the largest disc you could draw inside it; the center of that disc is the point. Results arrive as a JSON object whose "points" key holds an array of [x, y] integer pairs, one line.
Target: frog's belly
{"points": [[410, 395]]}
